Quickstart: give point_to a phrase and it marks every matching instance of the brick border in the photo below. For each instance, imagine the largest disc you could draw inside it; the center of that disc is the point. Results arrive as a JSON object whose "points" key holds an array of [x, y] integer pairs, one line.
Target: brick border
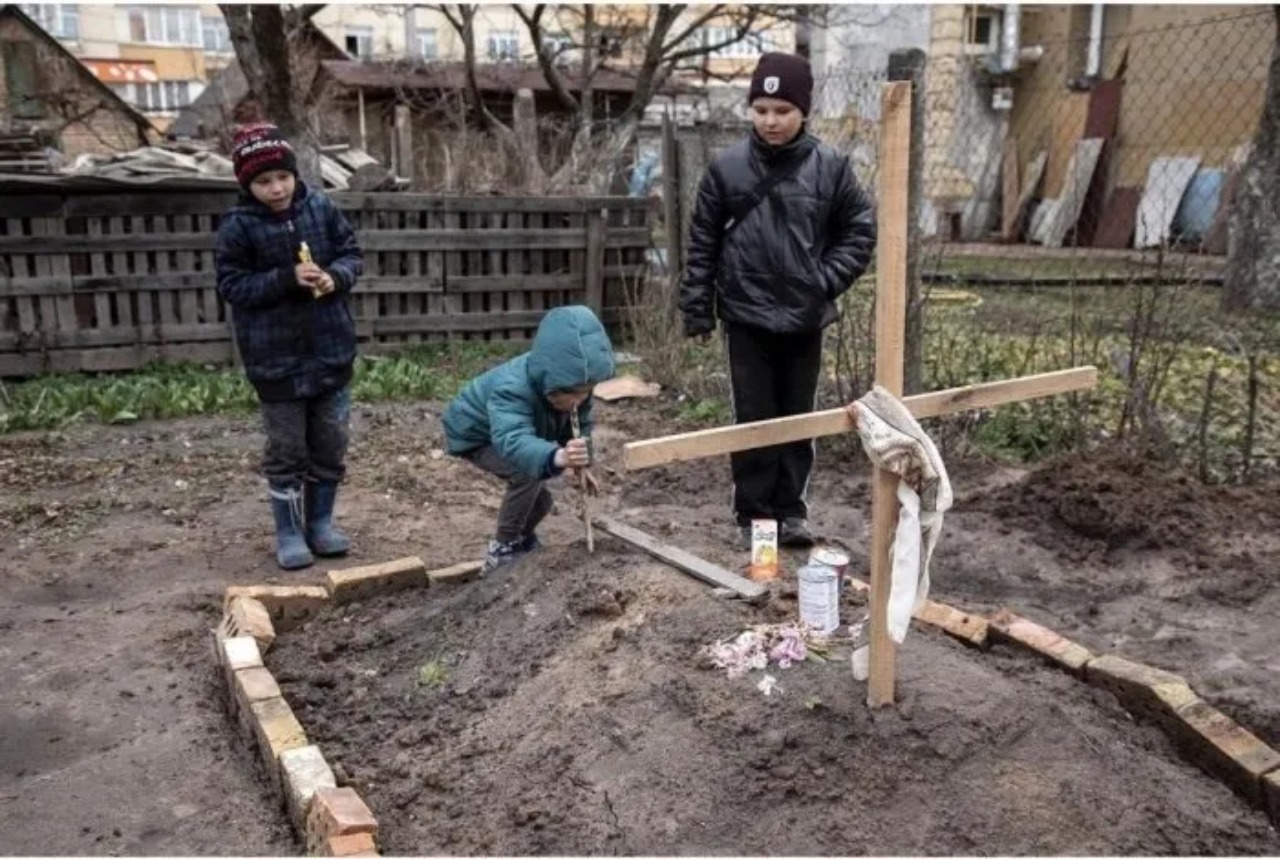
{"points": [[333, 821], [1208, 737], [328, 820]]}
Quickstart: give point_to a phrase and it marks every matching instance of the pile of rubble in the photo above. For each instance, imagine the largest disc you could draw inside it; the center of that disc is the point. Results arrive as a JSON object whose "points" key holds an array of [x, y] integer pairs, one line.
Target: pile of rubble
{"points": [[156, 161], [342, 168]]}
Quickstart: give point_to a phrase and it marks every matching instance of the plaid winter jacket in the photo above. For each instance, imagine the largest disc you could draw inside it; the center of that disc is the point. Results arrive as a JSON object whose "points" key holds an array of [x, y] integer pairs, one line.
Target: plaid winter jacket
{"points": [[294, 346]]}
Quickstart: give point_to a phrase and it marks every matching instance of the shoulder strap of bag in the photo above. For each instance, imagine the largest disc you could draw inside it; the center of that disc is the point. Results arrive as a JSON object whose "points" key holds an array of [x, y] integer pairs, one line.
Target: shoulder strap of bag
{"points": [[748, 203]]}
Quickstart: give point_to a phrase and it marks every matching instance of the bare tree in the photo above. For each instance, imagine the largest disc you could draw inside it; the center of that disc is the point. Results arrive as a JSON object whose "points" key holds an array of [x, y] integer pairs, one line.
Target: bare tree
{"points": [[265, 38], [649, 44], [1253, 255]]}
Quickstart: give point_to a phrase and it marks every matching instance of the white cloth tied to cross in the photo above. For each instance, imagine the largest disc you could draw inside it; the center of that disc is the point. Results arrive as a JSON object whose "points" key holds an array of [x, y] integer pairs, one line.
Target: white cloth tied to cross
{"points": [[895, 442]]}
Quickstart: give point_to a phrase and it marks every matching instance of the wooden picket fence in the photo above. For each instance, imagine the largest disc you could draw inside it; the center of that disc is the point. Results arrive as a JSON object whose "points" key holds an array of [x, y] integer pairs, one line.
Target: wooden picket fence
{"points": [[94, 281]]}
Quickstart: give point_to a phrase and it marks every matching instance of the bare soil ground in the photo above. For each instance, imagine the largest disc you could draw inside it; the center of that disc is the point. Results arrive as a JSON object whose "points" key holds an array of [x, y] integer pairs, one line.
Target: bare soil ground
{"points": [[575, 714]]}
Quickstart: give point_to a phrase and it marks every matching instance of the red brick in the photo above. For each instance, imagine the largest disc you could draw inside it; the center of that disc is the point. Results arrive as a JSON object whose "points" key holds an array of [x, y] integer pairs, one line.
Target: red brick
{"points": [[248, 616], [1216, 742], [970, 628], [336, 811], [251, 686], [288, 606], [1007, 626], [276, 730], [235, 654], [303, 771], [1271, 792], [1143, 690], [967, 627], [363, 582], [356, 844], [456, 574]]}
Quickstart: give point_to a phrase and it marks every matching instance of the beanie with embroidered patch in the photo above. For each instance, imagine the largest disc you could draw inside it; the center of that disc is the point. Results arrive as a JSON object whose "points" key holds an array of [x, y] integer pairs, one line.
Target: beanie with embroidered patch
{"points": [[784, 76], [258, 148]]}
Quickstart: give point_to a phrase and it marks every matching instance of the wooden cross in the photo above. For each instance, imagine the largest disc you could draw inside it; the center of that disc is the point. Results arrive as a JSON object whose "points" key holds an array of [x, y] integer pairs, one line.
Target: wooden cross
{"points": [[891, 293]]}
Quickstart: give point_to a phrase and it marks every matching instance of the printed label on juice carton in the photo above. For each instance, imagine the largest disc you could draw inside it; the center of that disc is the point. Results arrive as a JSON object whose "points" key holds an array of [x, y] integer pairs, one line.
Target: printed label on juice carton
{"points": [[764, 549]]}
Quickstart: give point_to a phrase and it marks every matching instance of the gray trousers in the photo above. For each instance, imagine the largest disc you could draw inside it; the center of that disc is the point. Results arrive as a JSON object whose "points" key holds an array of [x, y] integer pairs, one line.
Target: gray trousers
{"points": [[526, 502], [307, 439]]}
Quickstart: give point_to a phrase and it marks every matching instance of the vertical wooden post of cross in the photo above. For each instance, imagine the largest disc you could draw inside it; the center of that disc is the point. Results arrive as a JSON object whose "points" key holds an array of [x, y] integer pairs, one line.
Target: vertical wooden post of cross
{"points": [[891, 320]]}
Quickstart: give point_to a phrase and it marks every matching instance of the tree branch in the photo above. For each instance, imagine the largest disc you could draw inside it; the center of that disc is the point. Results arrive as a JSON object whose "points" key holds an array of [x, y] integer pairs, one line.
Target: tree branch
{"points": [[533, 23]]}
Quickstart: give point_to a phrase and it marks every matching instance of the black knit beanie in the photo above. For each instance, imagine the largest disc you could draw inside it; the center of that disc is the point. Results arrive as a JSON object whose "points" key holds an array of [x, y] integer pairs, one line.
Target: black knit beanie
{"points": [[784, 76], [258, 148]]}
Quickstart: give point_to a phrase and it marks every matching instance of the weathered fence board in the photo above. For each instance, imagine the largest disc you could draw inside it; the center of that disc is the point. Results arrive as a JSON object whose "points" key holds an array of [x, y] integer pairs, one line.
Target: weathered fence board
{"points": [[91, 280]]}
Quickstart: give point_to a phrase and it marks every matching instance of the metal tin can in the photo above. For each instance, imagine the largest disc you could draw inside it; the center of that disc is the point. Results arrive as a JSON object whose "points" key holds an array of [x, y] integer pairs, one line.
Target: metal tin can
{"points": [[829, 556], [819, 596]]}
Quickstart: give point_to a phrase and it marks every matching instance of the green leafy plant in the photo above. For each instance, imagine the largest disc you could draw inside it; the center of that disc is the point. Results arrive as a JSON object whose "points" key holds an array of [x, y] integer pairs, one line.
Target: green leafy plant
{"points": [[433, 674], [183, 390]]}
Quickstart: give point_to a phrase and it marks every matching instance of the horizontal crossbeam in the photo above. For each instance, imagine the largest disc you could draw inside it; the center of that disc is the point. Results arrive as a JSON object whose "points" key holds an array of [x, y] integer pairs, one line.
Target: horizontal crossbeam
{"points": [[730, 439]]}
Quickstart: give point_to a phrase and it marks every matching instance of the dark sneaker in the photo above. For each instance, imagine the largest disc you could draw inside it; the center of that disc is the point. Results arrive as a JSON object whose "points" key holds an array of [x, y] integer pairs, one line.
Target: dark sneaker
{"points": [[530, 543], [795, 533], [501, 554]]}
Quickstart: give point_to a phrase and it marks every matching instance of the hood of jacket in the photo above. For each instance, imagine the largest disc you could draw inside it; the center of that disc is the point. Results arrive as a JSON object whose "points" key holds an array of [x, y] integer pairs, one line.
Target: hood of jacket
{"points": [[571, 349]]}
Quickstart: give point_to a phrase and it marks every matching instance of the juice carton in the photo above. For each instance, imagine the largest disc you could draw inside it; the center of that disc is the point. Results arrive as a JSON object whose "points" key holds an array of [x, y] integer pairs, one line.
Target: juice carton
{"points": [[764, 549]]}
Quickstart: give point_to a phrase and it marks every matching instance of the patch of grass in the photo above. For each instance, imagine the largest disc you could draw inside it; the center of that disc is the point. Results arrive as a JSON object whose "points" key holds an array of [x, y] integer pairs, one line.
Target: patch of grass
{"points": [[173, 391], [707, 411], [433, 674]]}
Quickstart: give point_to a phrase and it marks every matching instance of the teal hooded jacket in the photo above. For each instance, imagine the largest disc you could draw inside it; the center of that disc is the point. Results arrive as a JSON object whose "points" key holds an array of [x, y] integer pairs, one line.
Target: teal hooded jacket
{"points": [[507, 406]]}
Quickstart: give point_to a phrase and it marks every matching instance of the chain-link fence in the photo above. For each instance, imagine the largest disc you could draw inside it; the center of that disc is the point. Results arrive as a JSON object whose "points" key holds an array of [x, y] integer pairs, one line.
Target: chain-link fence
{"points": [[1077, 175]]}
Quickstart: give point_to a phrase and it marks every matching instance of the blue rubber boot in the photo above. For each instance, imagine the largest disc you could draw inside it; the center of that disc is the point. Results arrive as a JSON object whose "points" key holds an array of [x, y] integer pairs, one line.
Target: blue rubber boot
{"points": [[291, 543], [323, 538]]}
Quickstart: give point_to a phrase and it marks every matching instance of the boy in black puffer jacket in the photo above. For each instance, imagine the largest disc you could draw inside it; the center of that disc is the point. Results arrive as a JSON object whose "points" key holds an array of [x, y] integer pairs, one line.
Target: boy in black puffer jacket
{"points": [[286, 261], [780, 230]]}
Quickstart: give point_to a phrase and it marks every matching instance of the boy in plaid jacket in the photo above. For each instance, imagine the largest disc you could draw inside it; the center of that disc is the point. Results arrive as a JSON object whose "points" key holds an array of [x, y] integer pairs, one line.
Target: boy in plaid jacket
{"points": [[286, 262]]}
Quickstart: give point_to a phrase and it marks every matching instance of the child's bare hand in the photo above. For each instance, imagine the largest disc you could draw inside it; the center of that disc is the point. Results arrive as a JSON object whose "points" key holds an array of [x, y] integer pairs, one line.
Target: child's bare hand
{"points": [[325, 284], [853, 414], [574, 454], [309, 274]]}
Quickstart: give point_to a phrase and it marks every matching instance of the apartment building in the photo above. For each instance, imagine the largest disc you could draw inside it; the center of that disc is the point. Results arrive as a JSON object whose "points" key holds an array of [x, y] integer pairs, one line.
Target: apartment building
{"points": [[157, 58]]}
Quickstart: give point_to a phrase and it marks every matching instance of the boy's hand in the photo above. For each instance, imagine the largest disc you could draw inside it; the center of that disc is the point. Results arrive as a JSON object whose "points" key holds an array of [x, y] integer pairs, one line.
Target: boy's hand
{"points": [[853, 414], [573, 455], [325, 284], [308, 274]]}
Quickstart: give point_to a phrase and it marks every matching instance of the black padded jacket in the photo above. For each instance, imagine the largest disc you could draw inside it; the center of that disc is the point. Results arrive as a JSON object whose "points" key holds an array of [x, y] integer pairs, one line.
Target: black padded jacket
{"points": [[783, 265]]}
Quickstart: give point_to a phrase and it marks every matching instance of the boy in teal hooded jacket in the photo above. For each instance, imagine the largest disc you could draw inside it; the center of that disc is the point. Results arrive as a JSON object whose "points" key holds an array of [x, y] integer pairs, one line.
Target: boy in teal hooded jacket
{"points": [[514, 421]]}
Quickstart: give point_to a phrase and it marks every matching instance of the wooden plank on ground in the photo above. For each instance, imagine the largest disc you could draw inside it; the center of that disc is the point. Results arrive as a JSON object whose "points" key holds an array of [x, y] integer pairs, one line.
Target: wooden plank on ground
{"points": [[682, 560], [730, 439]]}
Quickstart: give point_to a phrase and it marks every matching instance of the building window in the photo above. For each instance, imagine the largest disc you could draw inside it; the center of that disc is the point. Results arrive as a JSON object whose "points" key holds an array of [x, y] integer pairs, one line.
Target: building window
{"points": [[161, 96], [556, 46], [215, 36], [750, 45], [360, 42], [165, 25], [60, 20], [503, 45], [982, 32], [428, 47]]}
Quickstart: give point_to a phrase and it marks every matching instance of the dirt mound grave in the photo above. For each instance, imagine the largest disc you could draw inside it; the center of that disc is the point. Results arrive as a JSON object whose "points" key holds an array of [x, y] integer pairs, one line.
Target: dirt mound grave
{"points": [[563, 706]]}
